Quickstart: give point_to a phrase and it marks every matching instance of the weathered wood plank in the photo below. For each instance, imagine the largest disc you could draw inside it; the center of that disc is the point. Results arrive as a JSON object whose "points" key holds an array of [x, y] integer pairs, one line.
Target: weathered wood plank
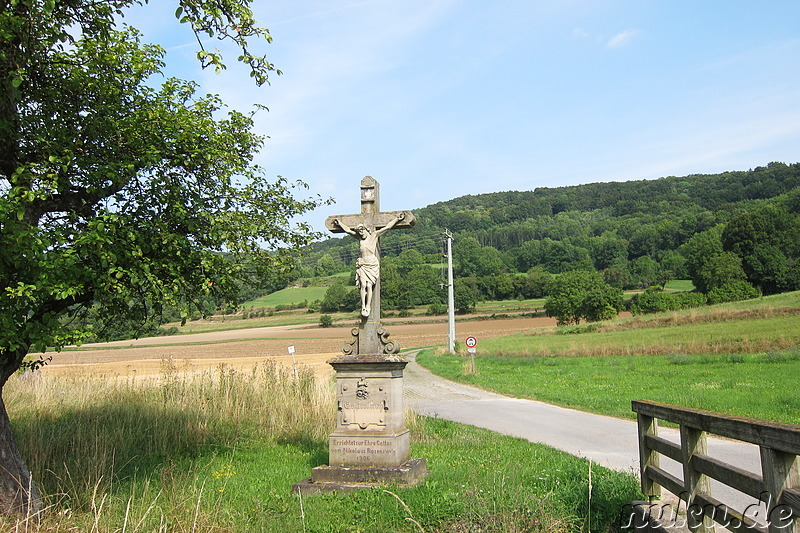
{"points": [[665, 479], [648, 428], [781, 472], [741, 480], [727, 517], [791, 497], [694, 442], [664, 447], [775, 435]]}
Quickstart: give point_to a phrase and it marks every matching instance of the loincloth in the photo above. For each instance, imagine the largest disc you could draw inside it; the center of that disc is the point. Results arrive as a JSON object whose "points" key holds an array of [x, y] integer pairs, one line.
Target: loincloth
{"points": [[367, 272]]}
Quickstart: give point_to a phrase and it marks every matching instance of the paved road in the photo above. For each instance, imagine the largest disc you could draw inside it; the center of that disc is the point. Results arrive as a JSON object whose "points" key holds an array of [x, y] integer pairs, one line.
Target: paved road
{"points": [[608, 441]]}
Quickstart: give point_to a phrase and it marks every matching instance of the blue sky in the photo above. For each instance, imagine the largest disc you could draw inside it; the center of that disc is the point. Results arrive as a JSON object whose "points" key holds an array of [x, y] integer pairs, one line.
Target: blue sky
{"points": [[441, 98]]}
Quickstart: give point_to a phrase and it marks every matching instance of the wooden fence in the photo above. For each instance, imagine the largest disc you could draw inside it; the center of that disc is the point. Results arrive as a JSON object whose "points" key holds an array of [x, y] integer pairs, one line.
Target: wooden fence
{"points": [[778, 488]]}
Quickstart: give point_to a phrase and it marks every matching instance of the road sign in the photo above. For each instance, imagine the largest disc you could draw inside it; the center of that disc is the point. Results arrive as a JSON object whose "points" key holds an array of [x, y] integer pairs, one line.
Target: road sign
{"points": [[290, 349], [471, 342], [472, 350]]}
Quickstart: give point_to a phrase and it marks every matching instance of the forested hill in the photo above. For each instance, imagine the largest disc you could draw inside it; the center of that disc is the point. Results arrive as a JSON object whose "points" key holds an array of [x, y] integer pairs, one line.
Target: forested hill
{"points": [[709, 192], [597, 225]]}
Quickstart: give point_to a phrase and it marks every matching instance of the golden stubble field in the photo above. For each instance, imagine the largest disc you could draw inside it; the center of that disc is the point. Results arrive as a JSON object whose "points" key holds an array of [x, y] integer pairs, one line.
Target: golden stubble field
{"points": [[244, 349]]}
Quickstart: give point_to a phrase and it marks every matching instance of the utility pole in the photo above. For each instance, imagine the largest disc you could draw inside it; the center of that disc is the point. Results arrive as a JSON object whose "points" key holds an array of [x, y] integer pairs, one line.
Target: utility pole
{"points": [[451, 308]]}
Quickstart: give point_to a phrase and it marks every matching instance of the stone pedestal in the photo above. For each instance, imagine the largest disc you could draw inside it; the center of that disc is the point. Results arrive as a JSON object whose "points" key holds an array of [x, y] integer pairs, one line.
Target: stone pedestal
{"points": [[370, 445]]}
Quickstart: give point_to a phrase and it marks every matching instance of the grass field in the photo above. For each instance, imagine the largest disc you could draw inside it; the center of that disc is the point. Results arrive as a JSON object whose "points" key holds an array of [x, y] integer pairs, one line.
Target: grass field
{"points": [[679, 285], [219, 452], [288, 296], [740, 358]]}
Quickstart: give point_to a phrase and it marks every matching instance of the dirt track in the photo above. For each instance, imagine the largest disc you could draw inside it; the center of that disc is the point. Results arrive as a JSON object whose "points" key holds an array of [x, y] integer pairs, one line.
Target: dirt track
{"points": [[245, 348]]}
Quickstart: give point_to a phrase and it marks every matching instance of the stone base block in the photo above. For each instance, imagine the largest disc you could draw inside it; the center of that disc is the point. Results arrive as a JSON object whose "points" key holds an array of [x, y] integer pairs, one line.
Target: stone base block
{"points": [[368, 450], [350, 478]]}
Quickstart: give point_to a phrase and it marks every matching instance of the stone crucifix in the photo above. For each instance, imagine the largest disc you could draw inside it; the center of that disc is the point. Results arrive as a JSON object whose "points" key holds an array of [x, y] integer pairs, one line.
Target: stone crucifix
{"points": [[367, 227]]}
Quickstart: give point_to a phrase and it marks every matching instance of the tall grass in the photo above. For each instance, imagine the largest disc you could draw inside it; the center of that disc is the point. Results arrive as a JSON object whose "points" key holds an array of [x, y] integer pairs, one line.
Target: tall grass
{"points": [[83, 437]]}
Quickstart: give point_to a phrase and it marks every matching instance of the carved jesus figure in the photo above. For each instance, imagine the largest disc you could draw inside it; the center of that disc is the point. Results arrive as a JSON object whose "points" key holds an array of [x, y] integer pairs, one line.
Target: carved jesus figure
{"points": [[368, 265]]}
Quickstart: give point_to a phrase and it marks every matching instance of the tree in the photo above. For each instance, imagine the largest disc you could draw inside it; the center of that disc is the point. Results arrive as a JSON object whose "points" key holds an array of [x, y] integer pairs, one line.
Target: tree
{"points": [[467, 257], [563, 256], [581, 294], [646, 272], [698, 250], [721, 269], [609, 250], [394, 293], [118, 195], [327, 266], [408, 260], [767, 242], [423, 284], [534, 284], [465, 294], [336, 297]]}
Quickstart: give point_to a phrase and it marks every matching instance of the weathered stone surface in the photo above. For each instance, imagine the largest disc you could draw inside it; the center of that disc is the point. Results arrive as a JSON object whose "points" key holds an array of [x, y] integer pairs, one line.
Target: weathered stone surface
{"points": [[369, 394], [378, 449], [326, 479]]}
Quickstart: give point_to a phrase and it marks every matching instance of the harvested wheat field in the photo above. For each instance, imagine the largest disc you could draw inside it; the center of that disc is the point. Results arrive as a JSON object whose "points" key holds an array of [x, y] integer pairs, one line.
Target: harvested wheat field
{"points": [[243, 349]]}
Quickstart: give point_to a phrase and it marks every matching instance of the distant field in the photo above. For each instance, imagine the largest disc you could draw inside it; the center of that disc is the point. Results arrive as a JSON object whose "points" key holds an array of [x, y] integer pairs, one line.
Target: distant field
{"points": [[290, 296], [510, 306], [723, 332], [679, 285]]}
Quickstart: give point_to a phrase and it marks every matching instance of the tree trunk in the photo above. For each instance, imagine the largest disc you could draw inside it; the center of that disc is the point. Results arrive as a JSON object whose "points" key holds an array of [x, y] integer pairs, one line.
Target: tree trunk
{"points": [[18, 492]]}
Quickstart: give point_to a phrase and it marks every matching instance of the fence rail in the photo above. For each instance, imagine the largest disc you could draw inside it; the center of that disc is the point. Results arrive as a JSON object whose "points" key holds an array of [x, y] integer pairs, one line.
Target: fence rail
{"points": [[778, 487]]}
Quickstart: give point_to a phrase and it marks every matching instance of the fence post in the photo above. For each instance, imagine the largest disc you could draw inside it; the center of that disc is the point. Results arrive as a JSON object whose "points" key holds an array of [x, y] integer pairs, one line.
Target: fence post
{"points": [[693, 442], [780, 471], [648, 425]]}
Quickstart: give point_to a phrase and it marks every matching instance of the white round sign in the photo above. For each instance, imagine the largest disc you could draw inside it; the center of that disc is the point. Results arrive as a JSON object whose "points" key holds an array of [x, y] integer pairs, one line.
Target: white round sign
{"points": [[471, 342]]}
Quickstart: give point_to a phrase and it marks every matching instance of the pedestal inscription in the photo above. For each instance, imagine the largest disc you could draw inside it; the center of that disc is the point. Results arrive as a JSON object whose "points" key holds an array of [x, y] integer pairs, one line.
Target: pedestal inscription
{"points": [[364, 450]]}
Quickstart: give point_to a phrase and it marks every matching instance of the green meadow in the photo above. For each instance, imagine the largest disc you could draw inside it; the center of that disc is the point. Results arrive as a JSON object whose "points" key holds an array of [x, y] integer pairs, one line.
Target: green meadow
{"points": [[288, 296]]}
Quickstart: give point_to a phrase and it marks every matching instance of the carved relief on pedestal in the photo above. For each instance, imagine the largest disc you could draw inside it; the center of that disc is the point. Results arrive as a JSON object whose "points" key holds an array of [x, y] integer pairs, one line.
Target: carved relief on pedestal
{"points": [[384, 345], [363, 403]]}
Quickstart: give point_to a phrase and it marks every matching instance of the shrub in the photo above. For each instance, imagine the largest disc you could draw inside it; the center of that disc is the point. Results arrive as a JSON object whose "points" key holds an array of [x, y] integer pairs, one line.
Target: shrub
{"points": [[687, 300], [732, 292], [437, 309], [654, 300], [325, 321]]}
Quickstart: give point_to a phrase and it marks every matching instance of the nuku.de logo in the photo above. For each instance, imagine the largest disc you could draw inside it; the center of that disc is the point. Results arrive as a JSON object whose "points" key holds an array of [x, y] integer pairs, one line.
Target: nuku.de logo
{"points": [[763, 513]]}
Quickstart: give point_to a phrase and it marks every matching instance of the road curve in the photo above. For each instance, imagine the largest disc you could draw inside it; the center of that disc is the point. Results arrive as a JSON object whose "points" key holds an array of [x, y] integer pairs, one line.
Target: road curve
{"points": [[607, 441]]}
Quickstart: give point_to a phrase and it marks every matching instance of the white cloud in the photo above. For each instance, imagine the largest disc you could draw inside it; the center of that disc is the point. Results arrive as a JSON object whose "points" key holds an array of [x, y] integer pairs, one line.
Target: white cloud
{"points": [[621, 39]]}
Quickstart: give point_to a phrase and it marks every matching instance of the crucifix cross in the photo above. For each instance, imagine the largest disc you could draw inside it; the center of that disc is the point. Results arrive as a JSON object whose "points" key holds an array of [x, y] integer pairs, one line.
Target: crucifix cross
{"points": [[367, 227]]}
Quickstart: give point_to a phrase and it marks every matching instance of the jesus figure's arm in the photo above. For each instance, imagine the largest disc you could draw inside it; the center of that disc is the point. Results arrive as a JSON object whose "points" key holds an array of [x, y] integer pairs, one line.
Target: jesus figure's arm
{"points": [[344, 226], [390, 225]]}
